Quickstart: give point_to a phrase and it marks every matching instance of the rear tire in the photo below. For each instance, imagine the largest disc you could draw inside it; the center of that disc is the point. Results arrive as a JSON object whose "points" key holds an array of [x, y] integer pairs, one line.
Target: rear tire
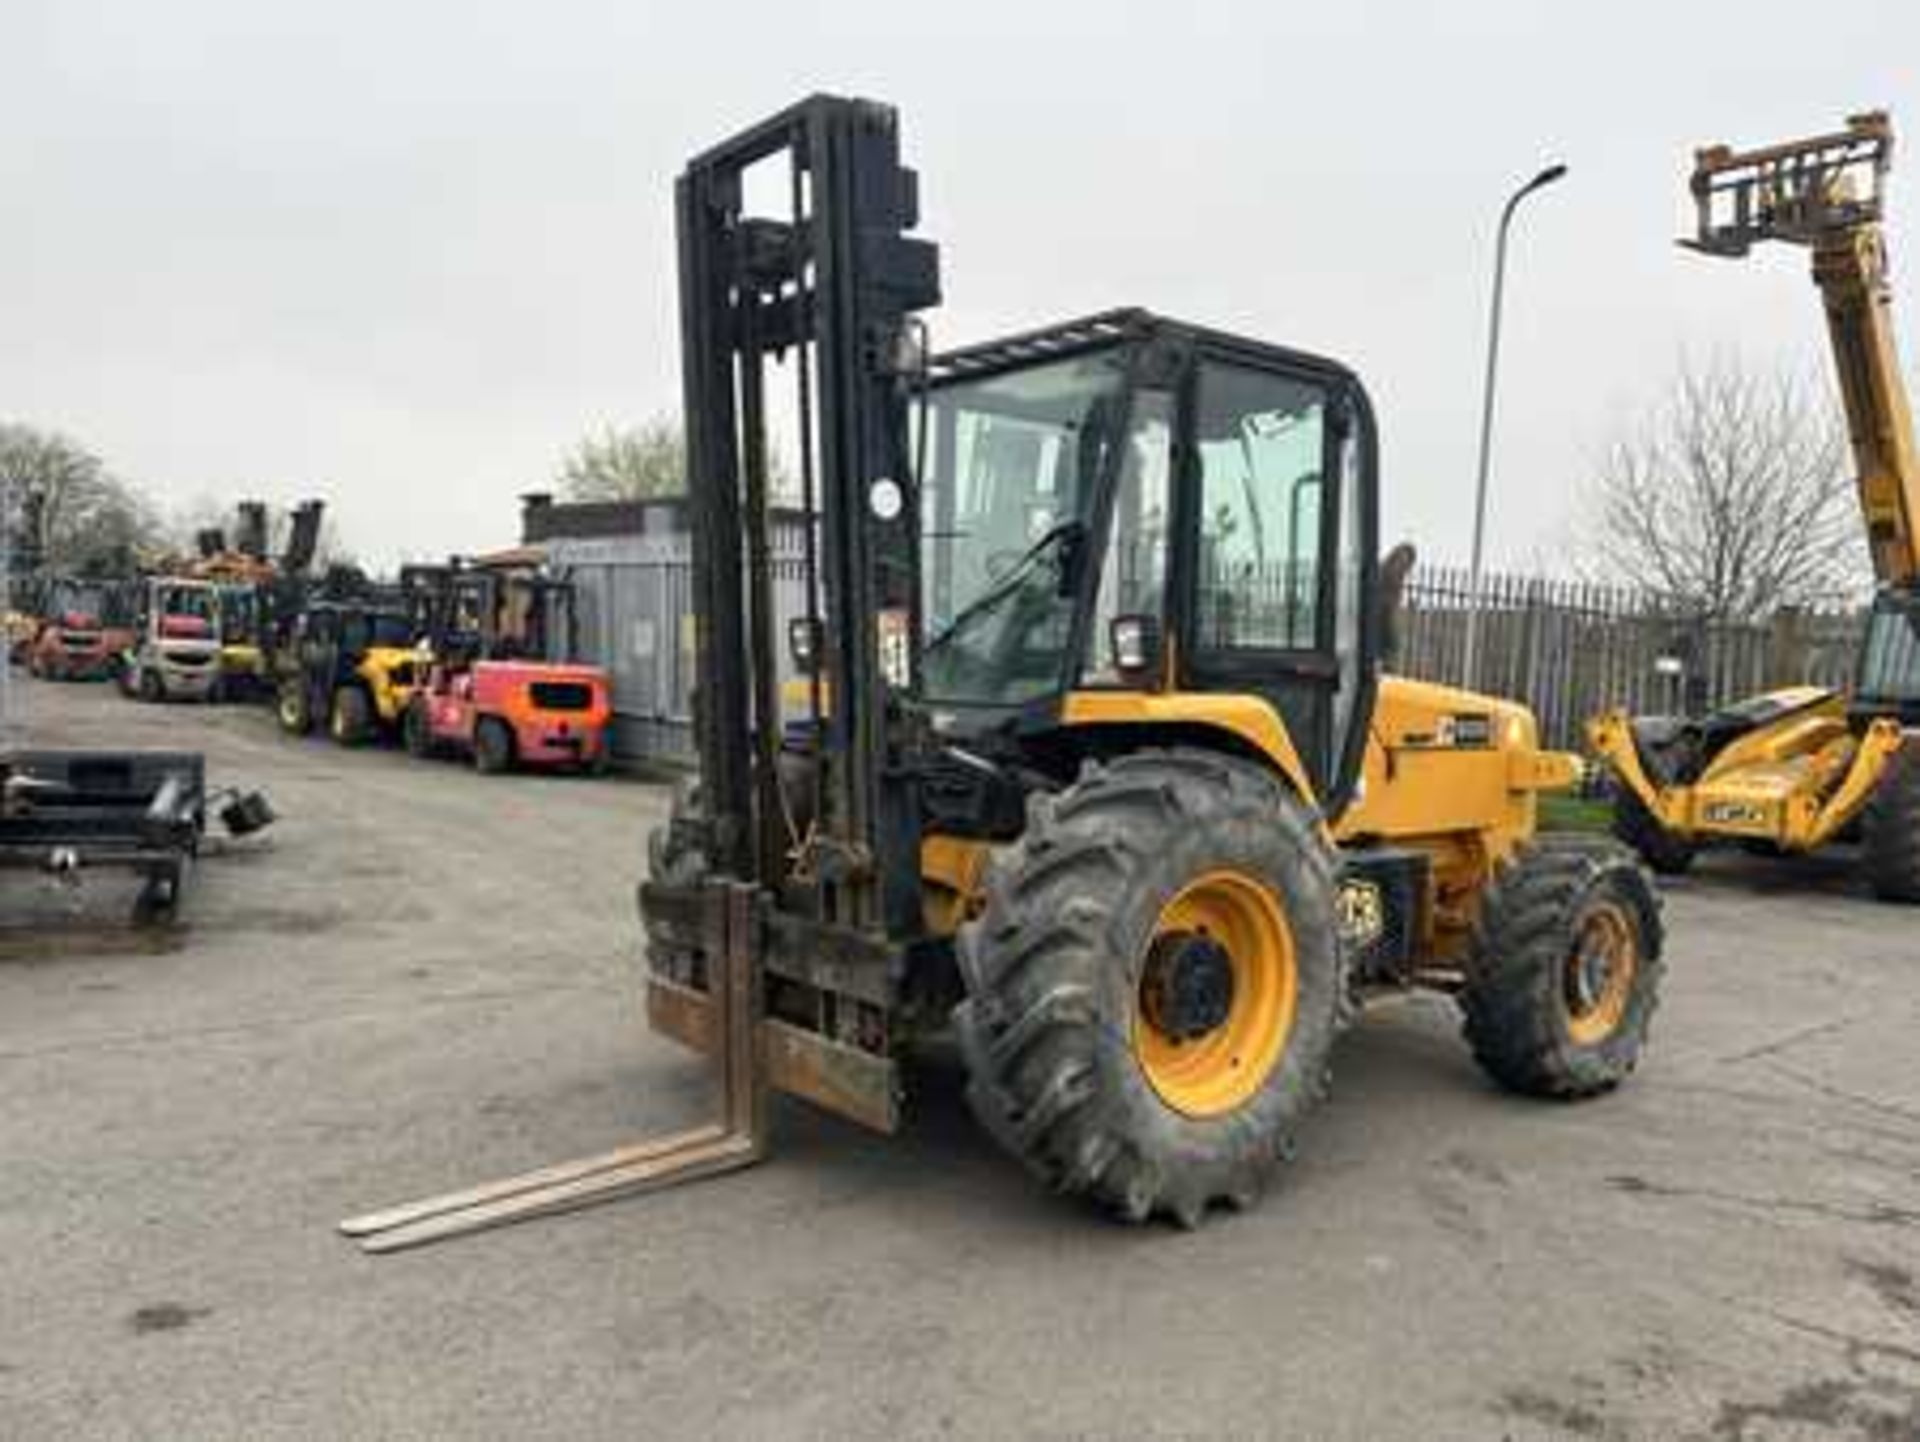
{"points": [[492, 746], [350, 721], [1091, 1078], [1563, 972], [295, 709], [1890, 828], [1667, 853]]}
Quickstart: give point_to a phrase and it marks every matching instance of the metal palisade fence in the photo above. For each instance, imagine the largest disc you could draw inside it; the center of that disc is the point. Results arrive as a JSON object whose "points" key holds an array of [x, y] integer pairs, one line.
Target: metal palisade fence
{"points": [[1568, 649], [1572, 650]]}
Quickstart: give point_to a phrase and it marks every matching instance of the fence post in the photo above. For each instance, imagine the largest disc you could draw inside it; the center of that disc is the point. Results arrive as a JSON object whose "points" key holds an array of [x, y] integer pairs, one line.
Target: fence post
{"points": [[1786, 647]]}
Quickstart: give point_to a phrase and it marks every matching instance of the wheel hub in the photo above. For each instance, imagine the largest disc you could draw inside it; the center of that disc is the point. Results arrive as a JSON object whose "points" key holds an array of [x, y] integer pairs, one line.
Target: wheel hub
{"points": [[1186, 989]]}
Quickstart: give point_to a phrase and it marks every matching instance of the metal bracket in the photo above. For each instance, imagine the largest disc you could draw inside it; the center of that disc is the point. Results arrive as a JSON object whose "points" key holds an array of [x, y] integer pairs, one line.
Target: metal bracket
{"points": [[737, 1139]]}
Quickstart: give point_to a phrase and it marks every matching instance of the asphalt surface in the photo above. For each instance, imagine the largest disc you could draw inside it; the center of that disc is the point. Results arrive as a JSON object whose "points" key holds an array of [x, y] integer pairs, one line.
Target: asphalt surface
{"points": [[422, 978]]}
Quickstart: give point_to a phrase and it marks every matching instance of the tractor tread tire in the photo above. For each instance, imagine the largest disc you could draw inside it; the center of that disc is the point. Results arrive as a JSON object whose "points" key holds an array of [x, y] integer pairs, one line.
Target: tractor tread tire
{"points": [[416, 731], [1512, 1000], [350, 717], [1890, 828], [294, 709], [1050, 968], [1664, 852], [675, 858]]}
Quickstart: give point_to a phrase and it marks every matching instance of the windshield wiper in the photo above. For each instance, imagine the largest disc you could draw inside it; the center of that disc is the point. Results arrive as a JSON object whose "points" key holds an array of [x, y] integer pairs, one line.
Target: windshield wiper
{"points": [[1071, 529]]}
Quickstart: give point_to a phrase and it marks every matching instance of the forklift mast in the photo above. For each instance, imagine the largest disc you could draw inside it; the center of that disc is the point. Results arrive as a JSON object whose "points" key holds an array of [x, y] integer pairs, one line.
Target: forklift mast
{"points": [[1827, 193], [827, 284]]}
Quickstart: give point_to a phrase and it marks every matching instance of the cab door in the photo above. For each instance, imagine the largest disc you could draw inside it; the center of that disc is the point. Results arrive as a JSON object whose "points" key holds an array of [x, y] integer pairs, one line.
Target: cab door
{"points": [[1276, 480]]}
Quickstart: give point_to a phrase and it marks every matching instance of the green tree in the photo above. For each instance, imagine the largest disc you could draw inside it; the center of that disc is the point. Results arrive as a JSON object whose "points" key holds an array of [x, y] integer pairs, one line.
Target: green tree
{"points": [[64, 510], [631, 463], [1734, 496]]}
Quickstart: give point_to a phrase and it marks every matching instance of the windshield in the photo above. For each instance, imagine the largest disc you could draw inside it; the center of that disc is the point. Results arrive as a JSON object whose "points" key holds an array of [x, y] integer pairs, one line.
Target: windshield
{"points": [[78, 599], [239, 612], [181, 600], [1013, 464], [391, 629], [1890, 659]]}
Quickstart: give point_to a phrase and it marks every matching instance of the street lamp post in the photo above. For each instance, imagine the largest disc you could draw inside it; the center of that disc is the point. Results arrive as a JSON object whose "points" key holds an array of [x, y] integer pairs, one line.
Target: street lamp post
{"points": [[1471, 661]]}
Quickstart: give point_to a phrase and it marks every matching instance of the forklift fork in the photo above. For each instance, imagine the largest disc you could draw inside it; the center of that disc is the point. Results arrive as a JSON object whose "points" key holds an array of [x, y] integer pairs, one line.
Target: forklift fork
{"points": [[737, 1139]]}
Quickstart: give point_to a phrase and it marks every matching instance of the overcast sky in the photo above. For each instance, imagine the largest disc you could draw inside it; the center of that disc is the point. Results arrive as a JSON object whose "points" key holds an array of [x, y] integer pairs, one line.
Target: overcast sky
{"points": [[402, 255]]}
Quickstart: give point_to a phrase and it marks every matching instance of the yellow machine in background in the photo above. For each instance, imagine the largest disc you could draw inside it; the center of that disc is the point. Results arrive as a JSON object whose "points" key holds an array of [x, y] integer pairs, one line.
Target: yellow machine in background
{"points": [[1798, 768]]}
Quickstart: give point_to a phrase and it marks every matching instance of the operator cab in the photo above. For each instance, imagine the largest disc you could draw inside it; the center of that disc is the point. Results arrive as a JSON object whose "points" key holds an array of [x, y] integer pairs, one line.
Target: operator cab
{"points": [[1128, 505], [1888, 683]]}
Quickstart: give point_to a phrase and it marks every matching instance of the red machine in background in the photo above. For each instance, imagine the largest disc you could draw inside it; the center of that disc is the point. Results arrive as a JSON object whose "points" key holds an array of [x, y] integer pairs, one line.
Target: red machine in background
{"points": [[85, 627], [499, 688]]}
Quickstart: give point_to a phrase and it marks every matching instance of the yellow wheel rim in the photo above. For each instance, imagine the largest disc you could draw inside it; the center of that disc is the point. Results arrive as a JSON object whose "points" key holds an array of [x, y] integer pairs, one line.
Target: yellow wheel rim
{"points": [[1211, 1073], [1600, 970]]}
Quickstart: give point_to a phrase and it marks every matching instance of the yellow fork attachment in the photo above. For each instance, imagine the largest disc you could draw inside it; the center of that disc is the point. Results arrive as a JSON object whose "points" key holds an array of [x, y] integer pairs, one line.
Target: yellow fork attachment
{"points": [[737, 1139]]}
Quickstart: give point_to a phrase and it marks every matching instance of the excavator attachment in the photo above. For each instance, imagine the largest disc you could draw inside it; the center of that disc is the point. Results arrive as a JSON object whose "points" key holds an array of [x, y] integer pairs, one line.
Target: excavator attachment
{"points": [[1802, 192], [736, 1139]]}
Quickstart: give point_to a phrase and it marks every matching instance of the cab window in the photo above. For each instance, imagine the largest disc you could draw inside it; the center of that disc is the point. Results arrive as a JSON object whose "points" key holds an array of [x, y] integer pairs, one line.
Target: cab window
{"points": [[1261, 442]]}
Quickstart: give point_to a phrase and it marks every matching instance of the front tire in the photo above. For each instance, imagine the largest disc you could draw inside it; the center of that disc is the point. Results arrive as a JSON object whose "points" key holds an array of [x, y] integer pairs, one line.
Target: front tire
{"points": [[295, 709], [350, 721], [1667, 853], [152, 688], [1563, 972], [1890, 828], [1155, 984]]}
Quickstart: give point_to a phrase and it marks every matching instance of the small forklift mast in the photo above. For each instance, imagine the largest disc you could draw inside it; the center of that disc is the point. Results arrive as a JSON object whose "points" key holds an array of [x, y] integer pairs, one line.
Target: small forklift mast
{"points": [[829, 286]]}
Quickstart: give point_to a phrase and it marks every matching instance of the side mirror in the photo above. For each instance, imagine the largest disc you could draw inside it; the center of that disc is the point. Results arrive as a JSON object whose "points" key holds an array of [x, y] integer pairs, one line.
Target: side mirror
{"points": [[1395, 567], [1134, 643]]}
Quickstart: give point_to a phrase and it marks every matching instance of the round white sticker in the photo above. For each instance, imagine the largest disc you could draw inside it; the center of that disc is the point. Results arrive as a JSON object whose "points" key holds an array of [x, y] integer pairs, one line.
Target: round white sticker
{"points": [[886, 499]]}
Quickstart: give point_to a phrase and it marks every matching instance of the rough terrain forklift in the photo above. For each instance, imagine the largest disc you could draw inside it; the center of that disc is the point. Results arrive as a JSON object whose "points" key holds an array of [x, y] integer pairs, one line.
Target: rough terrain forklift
{"points": [[1096, 769], [1798, 768], [502, 686], [351, 664]]}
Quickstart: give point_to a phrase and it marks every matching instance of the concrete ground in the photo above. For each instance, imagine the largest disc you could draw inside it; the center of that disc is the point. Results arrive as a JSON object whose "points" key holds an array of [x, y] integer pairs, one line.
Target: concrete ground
{"points": [[423, 978]]}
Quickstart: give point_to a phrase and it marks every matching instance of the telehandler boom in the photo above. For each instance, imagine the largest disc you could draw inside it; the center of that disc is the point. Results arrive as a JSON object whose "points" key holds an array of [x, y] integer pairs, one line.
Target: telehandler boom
{"points": [[1797, 768]]}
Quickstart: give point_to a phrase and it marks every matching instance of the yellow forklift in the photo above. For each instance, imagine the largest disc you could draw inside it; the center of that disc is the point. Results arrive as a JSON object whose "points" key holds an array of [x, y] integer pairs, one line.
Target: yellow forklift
{"points": [[1096, 771], [1799, 768]]}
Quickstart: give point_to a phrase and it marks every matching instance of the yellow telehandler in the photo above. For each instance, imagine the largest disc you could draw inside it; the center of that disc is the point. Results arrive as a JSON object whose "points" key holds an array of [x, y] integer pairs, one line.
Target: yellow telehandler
{"points": [[1798, 768]]}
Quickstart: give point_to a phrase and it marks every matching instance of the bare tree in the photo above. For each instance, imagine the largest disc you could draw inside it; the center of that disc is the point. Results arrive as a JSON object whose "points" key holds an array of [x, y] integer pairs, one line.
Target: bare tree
{"points": [[627, 464], [80, 516], [1733, 498]]}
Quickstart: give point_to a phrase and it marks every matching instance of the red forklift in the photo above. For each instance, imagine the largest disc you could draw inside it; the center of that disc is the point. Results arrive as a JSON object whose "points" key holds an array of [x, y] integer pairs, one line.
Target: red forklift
{"points": [[85, 627], [501, 687]]}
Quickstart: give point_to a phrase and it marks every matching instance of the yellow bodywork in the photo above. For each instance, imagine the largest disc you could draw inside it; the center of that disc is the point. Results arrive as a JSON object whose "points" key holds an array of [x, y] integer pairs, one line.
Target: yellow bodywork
{"points": [[1795, 781], [243, 660], [390, 674], [1446, 771]]}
